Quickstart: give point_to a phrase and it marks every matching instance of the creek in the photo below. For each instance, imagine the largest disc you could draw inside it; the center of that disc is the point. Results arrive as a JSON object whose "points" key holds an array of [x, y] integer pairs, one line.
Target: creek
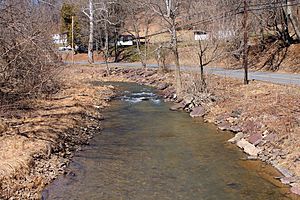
{"points": [[147, 152]]}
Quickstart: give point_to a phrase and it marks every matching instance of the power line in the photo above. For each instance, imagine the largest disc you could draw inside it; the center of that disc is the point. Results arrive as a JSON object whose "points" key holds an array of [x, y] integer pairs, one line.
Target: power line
{"points": [[232, 13]]}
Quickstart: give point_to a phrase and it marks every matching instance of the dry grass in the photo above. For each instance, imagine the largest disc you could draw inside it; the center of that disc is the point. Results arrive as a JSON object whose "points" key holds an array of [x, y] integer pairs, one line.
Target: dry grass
{"points": [[264, 107], [34, 142]]}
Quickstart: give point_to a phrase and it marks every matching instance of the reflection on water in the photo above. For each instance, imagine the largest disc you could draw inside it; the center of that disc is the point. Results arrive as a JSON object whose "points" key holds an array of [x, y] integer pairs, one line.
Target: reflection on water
{"points": [[148, 152]]}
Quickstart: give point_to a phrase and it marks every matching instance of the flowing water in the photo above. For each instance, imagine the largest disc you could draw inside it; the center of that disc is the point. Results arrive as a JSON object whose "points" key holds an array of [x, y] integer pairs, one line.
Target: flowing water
{"points": [[147, 152]]}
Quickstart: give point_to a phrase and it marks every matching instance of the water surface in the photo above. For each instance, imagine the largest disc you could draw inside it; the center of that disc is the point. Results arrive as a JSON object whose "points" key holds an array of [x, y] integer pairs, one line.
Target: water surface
{"points": [[147, 152]]}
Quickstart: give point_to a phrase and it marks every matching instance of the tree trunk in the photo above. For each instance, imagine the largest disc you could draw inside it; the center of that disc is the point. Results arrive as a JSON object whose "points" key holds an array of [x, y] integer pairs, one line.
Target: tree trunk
{"points": [[245, 48], [176, 55], [106, 49], [201, 65], [293, 19], [91, 36], [116, 47]]}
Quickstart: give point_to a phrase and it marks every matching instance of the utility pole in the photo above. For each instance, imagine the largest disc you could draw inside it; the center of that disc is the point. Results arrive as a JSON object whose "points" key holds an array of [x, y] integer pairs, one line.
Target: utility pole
{"points": [[245, 49], [73, 40]]}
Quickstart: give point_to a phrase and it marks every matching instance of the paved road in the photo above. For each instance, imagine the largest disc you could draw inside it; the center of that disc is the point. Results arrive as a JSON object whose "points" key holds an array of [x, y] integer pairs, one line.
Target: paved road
{"points": [[279, 78]]}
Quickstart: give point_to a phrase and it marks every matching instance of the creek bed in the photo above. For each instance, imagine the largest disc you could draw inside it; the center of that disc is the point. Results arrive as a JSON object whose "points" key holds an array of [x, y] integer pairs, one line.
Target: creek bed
{"points": [[148, 152]]}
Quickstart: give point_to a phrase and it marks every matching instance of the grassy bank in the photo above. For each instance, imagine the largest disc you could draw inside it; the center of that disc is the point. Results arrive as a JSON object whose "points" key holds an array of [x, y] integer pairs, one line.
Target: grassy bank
{"points": [[37, 142]]}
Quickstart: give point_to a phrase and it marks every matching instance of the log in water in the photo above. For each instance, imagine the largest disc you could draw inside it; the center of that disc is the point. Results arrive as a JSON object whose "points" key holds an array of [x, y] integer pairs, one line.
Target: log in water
{"points": [[148, 152]]}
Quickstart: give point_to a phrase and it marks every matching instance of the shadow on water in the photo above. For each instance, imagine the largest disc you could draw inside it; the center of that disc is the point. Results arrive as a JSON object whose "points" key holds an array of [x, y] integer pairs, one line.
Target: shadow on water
{"points": [[148, 152]]}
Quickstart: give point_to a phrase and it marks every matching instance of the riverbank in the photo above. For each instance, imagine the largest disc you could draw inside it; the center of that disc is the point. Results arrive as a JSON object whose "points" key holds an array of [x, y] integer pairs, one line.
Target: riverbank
{"points": [[264, 117], [37, 143]]}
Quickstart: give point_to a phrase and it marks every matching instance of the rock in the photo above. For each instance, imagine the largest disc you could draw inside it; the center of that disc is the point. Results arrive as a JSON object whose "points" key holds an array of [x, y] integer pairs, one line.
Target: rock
{"points": [[237, 137], [178, 106], [271, 137], [149, 73], [231, 120], [255, 139], [162, 86], [284, 171], [236, 113], [296, 189], [198, 112], [265, 133], [235, 129], [288, 180], [250, 126], [248, 148], [252, 158], [3, 127], [224, 126], [188, 99]]}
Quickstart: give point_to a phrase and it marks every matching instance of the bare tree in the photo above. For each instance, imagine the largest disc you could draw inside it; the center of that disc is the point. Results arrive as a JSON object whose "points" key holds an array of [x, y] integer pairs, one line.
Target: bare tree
{"points": [[89, 12], [169, 10], [138, 21]]}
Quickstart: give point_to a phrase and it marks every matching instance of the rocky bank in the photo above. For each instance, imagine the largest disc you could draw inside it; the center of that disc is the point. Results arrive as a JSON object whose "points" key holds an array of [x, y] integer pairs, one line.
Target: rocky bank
{"points": [[265, 118]]}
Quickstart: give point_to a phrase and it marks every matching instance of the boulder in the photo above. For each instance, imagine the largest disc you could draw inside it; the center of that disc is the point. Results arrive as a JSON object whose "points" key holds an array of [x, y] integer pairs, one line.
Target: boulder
{"points": [[296, 189], [255, 139], [224, 126], [162, 86], [271, 137], [178, 106], [288, 180], [188, 99], [237, 137], [248, 148], [236, 113], [284, 171], [149, 73], [235, 129], [198, 112]]}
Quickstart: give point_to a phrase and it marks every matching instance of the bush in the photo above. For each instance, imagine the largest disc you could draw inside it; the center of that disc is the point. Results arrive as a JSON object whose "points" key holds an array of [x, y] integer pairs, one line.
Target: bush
{"points": [[28, 61]]}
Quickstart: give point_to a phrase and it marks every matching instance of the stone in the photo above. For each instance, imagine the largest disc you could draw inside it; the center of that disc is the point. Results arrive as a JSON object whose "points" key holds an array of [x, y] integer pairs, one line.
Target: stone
{"points": [[224, 126], [265, 133], [3, 127], [236, 138], [198, 112], [255, 139], [235, 129], [284, 171], [295, 189], [236, 113], [231, 120], [252, 158], [162, 86], [147, 74], [271, 137], [248, 148], [288, 180], [178, 106], [188, 99]]}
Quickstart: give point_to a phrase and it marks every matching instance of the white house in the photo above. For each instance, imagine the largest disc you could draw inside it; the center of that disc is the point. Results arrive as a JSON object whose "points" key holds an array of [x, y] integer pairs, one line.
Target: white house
{"points": [[125, 40], [201, 35], [226, 34], [60, 39], [130, 40], [222, 34]]}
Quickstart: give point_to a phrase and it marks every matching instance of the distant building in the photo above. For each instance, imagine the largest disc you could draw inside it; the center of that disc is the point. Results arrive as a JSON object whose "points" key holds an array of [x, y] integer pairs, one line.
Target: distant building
{"points": [[60, 39], [222, 34], [201, 35], [129, 40], [226, 34], [125, 40]]}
